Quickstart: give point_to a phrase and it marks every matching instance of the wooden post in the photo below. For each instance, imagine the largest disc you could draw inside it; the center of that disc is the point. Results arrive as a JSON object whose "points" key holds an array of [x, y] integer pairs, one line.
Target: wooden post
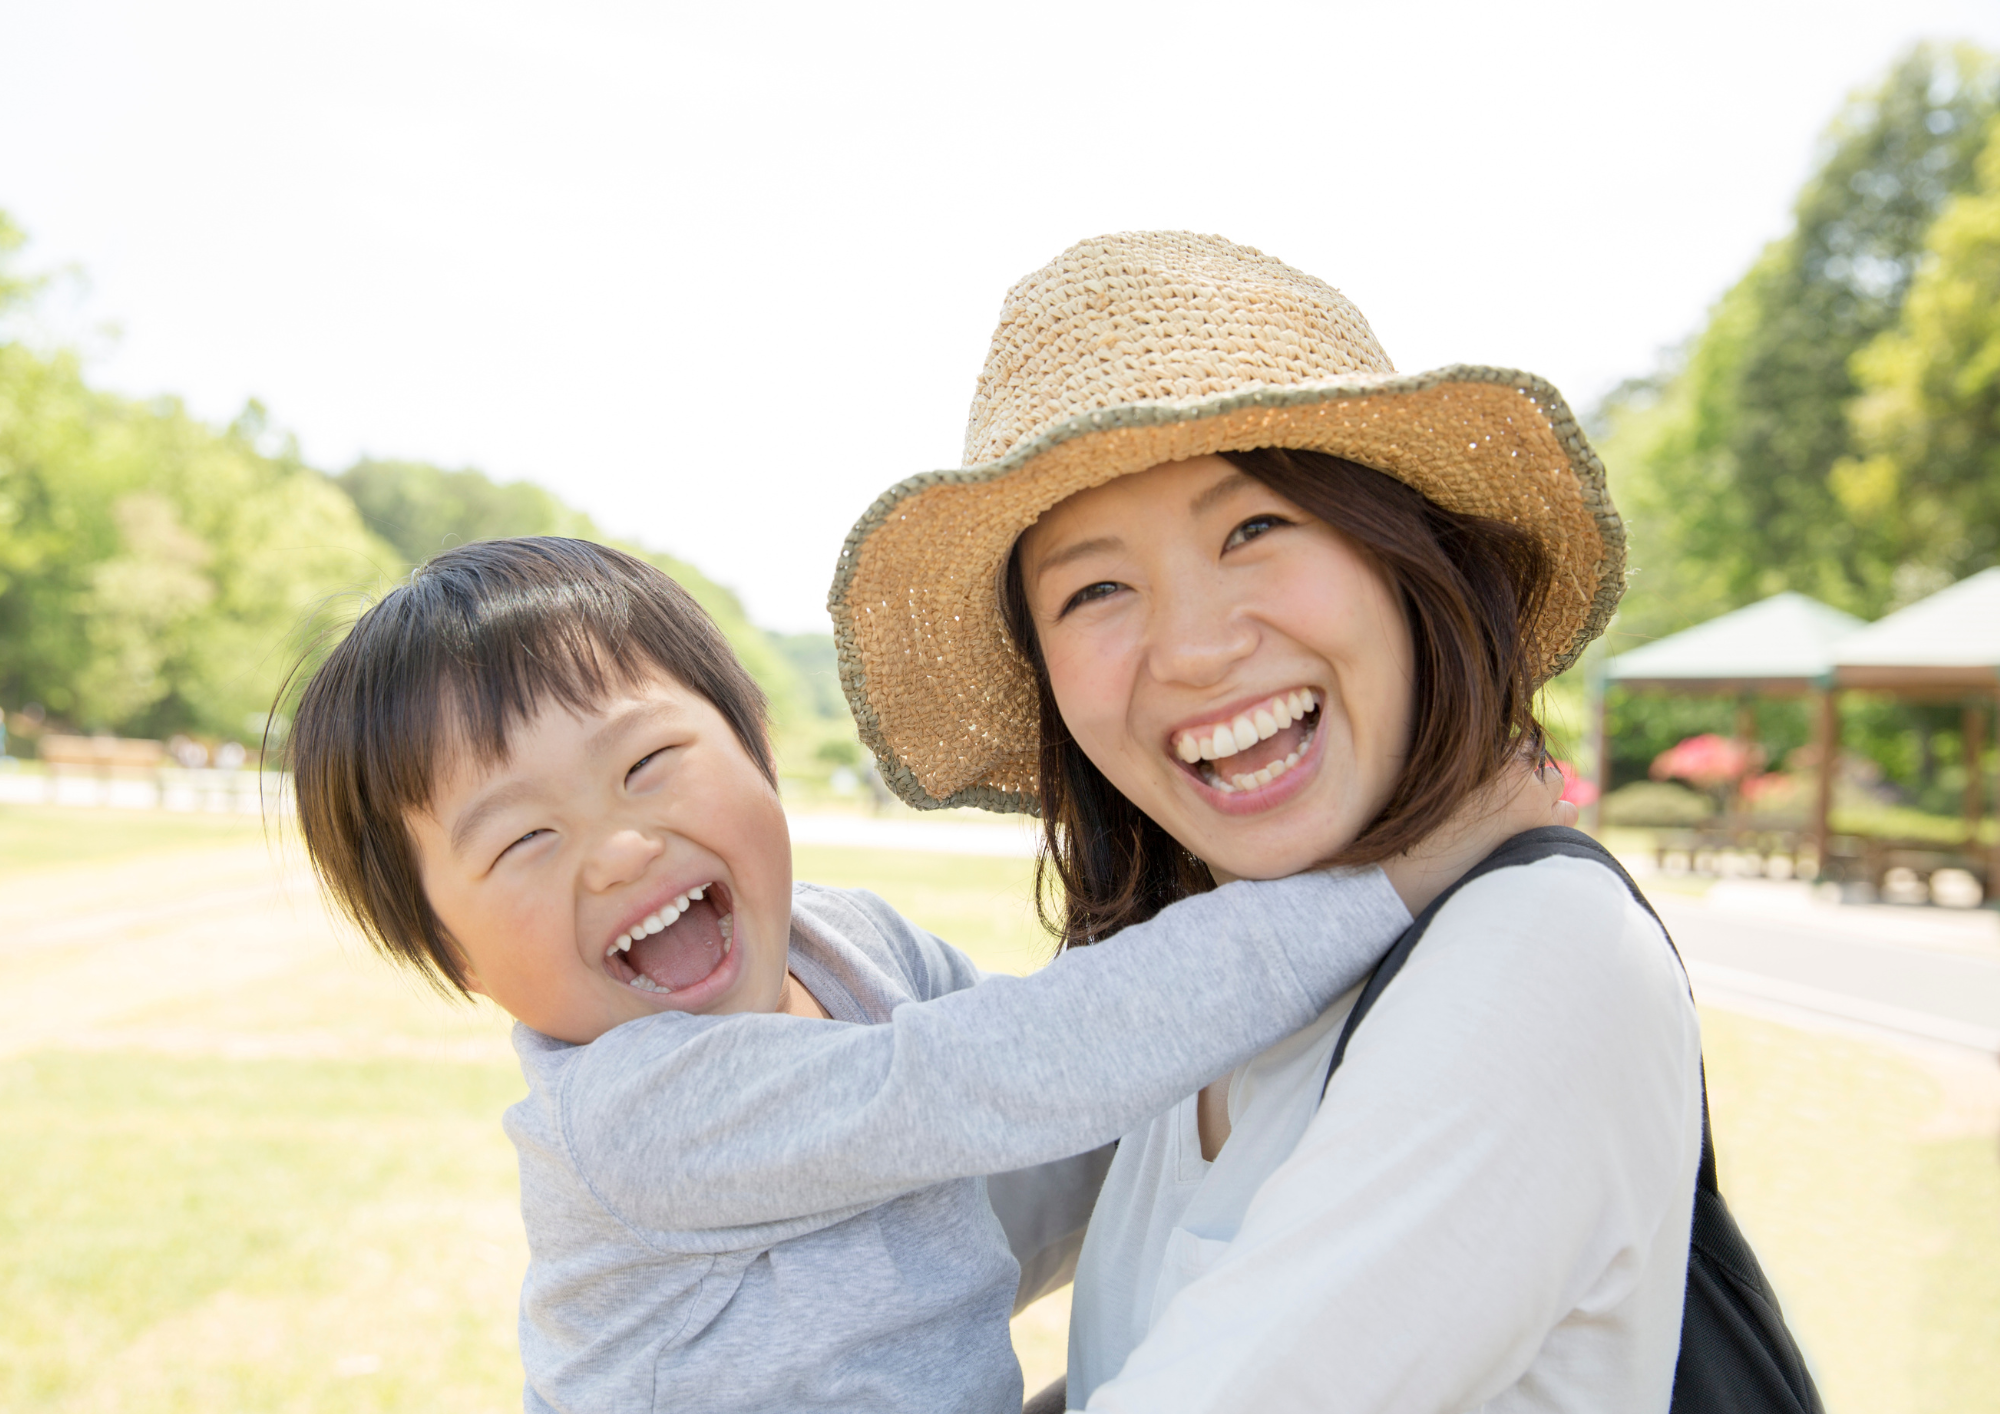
{"points": [[1972, 744], [1828, 738], [1746, 737], [1993, 859]]}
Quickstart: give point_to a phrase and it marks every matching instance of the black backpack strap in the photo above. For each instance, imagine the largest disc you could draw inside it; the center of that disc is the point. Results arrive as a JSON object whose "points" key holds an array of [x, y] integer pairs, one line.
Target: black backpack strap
{"points": [[1528, 847], [1736, 1355]]}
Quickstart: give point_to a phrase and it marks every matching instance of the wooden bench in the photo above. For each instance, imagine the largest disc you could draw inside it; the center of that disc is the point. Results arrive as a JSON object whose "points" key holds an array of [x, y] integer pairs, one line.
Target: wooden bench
{"points": [[102, 754]]}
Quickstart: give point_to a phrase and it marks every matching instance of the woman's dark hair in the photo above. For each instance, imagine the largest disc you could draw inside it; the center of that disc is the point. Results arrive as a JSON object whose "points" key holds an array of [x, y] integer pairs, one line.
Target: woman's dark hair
{"points": [[442, 668], [1472, 591]]}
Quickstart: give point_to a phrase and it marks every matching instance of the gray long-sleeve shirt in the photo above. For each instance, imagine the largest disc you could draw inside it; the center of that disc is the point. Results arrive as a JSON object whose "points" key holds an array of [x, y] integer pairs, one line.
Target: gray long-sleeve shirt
{"points": [[758, 1212]]}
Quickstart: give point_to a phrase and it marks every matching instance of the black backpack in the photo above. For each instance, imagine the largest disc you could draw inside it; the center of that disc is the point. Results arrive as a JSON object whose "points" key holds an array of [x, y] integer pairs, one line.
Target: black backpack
{"points": [[1736, 1355]]}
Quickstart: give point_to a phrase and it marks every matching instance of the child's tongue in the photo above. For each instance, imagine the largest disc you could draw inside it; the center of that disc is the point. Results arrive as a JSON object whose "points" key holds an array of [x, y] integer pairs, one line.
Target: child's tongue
{"points": [[686, 952]]}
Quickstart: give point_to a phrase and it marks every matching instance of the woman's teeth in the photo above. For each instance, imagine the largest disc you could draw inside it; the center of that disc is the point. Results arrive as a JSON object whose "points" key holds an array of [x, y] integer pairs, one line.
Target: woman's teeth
{"points": [[1219, 742]]}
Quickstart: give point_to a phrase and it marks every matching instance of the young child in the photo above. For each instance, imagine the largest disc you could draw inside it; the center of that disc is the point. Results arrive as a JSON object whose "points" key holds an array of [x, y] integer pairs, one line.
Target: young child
{"points": [[758, 1114]]}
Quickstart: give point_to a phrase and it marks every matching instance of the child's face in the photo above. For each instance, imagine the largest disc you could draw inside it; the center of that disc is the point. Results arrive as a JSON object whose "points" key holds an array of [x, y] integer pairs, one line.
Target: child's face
{"points": [[543, 866], [1189, 598]]}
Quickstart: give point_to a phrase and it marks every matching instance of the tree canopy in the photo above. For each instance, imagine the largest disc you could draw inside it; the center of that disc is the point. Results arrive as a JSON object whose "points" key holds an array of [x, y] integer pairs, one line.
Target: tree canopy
{"points": [[1736, 466], [421, 509], [1928, 416], [161, 575], [154, 572]]}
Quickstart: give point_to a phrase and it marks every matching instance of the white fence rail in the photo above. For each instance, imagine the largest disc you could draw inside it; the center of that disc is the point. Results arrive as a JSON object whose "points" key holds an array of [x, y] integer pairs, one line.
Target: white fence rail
{"points": [[169, 788]]}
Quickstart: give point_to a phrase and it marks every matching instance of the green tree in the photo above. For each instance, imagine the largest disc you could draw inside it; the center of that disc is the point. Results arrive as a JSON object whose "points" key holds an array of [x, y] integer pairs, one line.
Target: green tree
{"points": [[421, 509], [16, 289], [1929, 414], [160, 575], [154, 573], [1726, 465]]}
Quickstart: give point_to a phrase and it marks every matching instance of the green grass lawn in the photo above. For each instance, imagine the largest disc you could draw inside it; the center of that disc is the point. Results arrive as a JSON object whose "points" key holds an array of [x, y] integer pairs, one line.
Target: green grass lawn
{"points": [[36, 836], [985, 906], [1881, 1233], [236, 1228], [209, 1234]]}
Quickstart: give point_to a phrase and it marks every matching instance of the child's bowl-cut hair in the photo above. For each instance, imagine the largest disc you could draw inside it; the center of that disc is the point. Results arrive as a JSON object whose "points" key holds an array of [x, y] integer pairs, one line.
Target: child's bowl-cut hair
{"points": [[442, 668]]}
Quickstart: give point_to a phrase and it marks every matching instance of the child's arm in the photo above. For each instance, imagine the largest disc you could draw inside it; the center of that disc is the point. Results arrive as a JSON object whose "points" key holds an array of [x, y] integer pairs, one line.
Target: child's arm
{"points": [[1043, 1211], [689, 1124]]}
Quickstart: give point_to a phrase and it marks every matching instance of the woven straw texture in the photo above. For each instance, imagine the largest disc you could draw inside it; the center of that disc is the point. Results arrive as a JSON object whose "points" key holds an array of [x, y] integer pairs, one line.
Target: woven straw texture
{"points": [[1132, 350]]}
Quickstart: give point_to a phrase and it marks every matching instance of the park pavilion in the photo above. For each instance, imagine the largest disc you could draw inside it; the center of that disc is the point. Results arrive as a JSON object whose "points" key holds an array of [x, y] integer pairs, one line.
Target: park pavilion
{"points": [[1942, 649], [1782, 646]]}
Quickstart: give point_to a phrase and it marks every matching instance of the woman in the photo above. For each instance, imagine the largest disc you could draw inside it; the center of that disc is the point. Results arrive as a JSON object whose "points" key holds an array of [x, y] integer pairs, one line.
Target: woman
{"points": [[1221, 595]]}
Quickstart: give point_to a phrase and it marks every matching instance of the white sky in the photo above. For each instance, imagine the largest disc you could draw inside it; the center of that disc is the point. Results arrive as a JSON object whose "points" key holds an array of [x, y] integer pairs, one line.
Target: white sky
{"points": [[721, 274]]}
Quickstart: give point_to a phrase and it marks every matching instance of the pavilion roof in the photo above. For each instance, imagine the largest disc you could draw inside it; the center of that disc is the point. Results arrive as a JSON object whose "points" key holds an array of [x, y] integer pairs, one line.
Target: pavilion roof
{"points": [[1781, 644], [1951, 639]]}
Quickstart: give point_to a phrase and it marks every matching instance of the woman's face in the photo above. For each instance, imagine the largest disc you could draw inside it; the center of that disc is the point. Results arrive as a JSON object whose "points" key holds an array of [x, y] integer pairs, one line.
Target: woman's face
{"points": [[1231, 664]]}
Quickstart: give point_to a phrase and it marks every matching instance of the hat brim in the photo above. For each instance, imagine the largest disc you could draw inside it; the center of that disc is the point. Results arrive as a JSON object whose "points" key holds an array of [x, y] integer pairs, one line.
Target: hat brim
{"points": [[947, 704]]}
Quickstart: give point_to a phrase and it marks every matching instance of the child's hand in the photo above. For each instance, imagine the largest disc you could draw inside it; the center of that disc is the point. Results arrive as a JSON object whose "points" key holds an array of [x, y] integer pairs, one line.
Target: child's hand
{"points": [[1519, 798]]}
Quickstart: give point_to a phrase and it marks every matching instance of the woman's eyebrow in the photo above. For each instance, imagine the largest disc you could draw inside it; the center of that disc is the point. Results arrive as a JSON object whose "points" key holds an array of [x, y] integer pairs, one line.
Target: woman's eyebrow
{"points": [[1230, 484], [1077, 552]]}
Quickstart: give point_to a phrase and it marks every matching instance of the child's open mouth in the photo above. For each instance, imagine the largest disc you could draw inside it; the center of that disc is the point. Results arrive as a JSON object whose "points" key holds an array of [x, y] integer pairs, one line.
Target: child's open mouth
{"points": [[1254, 747], [677, 945]]}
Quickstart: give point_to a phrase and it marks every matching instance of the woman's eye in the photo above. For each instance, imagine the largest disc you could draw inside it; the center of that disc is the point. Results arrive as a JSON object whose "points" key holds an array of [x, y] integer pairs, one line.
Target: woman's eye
{"points": [[1103, 589], [1251, 529]]}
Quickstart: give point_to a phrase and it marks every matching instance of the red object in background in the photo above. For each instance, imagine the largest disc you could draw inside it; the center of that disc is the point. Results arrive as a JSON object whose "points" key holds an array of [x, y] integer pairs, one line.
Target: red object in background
{"points": [[1706, 761], [1577, 790], [1772, 783]]}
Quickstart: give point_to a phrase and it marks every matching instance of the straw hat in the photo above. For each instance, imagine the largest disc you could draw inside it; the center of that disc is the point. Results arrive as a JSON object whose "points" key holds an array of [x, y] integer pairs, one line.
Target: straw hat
{"points": [[1157, 346]]}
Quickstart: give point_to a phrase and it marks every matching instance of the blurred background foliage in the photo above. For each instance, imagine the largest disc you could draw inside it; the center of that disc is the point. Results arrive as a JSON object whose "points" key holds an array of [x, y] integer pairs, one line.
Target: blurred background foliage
{"points": [[1834, 428], [158, 575]]}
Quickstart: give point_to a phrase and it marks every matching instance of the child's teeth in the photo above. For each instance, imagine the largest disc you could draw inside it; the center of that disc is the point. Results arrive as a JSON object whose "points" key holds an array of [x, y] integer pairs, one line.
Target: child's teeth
{"points": [[681, 904], [647, 984], [727, 927], [653, 923], [697, 893]]}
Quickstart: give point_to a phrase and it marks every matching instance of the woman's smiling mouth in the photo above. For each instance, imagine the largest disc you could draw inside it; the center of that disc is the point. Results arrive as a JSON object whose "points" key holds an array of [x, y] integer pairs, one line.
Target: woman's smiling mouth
{"points": [[1254, 746], [679, 947]]}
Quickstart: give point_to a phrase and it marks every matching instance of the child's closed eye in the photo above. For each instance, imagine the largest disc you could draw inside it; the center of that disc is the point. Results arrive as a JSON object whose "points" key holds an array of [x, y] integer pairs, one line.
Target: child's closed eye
{"points": [[651, 758], [515, 844]]}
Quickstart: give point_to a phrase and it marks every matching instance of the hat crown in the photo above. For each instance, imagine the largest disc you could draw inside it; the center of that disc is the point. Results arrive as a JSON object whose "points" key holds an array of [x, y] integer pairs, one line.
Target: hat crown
{"points": [[1157, 316]]}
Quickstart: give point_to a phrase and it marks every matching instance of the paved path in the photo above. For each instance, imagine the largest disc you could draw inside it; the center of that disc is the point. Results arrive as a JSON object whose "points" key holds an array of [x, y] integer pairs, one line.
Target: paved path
{"points": [[1937, 993], [1010, 837], [1927, 974], [1931, 974]]}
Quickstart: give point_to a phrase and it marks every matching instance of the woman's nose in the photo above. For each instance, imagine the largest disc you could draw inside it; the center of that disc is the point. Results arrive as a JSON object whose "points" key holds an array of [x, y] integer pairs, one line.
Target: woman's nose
{"points": [[1195, 634], [619, 858]]}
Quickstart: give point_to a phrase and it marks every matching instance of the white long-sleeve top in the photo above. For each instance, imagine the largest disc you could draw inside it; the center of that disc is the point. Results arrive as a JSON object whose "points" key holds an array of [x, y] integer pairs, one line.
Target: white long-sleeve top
{"points": [[1489, 1211]]}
